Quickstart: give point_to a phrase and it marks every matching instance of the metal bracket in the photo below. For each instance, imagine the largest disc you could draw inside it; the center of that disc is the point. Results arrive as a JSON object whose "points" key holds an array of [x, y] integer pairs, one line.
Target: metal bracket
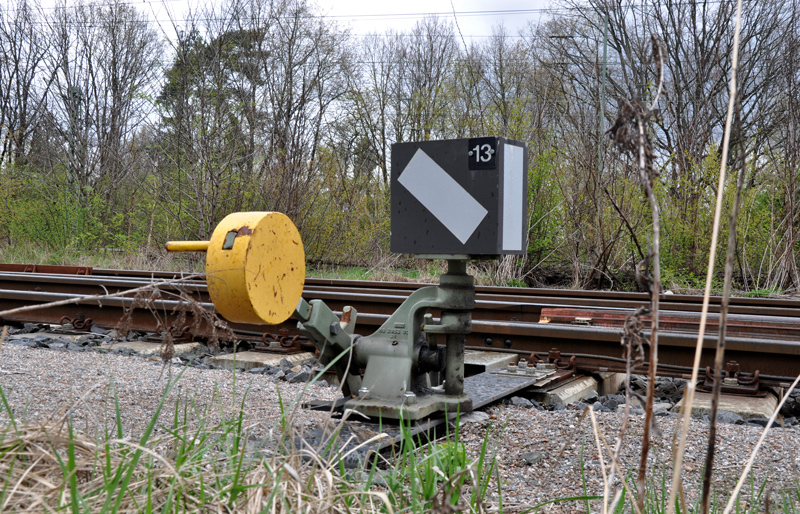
{"points": [[388, 373], [79, 322], [734, 380], [546, 372]]}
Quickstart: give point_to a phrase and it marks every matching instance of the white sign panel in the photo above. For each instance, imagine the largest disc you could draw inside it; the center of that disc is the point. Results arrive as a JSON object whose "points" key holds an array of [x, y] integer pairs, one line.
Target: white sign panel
{"points": [[513, 197]]}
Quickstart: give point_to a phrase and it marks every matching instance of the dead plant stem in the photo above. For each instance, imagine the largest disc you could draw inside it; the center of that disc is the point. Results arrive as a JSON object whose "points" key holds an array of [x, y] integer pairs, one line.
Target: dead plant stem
{"points": [[630, 133], [625, 420], [93, 298], [690, 386], [654, 294], [732, 500], [723, 317]]}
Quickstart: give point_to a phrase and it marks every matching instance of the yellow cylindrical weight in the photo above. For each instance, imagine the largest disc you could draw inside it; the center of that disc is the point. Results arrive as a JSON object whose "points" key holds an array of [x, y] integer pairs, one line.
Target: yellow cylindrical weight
{"points": [[255, 267], [186, 246]]}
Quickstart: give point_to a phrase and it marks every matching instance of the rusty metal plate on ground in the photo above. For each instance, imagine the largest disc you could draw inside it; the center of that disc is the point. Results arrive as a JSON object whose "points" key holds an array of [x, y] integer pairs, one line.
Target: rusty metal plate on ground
{"points": [[357, 442], [349, 439], [752, 325], [486, 388]]}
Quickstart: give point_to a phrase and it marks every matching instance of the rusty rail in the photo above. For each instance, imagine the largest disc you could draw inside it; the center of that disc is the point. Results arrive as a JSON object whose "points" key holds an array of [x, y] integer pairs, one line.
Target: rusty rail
{"points": [[505, 319]]}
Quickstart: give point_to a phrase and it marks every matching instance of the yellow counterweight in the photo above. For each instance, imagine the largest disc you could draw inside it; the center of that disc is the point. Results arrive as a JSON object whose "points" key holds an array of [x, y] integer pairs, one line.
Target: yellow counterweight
{"points": [[255, 266]]}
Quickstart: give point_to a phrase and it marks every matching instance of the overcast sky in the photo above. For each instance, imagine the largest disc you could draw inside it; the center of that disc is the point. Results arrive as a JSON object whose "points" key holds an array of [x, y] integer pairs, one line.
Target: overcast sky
{"points": [[475, 17]]}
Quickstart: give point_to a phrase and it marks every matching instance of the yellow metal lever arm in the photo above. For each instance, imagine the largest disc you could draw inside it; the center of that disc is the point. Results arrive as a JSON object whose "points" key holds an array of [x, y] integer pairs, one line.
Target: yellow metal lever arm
{"points": [[187, 246]]}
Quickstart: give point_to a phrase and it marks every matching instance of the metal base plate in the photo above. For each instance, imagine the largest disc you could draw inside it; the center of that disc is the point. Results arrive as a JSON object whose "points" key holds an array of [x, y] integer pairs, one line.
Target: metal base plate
{"points": [[424, 406], [544, 380], [348, 439], [486, 388], [356, 443]]}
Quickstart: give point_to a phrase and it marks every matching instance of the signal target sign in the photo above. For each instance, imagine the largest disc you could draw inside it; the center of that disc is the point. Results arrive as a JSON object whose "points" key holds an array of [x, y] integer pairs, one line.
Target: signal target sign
{"points": [[460, 196]]}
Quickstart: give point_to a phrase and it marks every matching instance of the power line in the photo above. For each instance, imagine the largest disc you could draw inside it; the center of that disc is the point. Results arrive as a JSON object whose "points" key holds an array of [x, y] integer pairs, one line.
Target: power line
{"points": [[308, 15], [418, 14], [396, 15], [497, 12], [159, 22]]}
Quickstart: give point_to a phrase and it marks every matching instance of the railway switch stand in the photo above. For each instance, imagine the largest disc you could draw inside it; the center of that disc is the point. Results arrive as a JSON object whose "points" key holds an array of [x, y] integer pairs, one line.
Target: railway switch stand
{"points": [[453, 200]]}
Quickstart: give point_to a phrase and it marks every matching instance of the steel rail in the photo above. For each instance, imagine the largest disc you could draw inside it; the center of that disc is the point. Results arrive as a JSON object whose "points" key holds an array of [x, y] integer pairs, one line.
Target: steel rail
{"points": [[407, 287], [364, 285], [116, 312], [502, 321], [678, 302], [780, 358], [486, 307]]}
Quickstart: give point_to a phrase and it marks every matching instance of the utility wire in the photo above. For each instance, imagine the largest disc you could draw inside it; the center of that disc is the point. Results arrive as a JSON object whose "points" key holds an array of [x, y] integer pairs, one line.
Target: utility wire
{"points": [[367, 16]]}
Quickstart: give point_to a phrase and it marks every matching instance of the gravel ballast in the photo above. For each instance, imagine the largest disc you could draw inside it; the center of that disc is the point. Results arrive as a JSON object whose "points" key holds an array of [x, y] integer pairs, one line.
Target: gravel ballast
{"points": [[41, 384], [539, 451]]}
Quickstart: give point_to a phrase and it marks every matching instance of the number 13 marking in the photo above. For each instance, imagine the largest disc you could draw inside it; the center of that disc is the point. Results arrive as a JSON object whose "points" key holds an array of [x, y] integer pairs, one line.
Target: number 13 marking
{"points": [[487, 153]]}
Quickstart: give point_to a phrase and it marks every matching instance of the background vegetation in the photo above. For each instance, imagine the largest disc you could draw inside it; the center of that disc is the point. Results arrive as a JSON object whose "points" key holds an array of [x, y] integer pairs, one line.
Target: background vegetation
{"points": [[113, 136]]}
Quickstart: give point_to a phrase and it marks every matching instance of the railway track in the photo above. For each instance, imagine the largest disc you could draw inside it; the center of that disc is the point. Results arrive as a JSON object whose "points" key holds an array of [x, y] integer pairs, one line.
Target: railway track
{"points": [[764, 333]]}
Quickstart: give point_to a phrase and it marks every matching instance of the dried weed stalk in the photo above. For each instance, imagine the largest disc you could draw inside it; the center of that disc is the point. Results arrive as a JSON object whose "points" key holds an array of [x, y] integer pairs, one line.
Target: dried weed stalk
{"points": [[187, 315], [719, 357], [712, 254], [50, 467], [615, 465], [633, 341], [735, 494], [144, 297], [33, 460], [631, 135]]}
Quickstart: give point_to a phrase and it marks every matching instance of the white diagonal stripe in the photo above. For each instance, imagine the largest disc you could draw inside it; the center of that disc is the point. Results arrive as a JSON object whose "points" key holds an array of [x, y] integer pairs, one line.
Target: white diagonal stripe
{"points": [[438, 192]]}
